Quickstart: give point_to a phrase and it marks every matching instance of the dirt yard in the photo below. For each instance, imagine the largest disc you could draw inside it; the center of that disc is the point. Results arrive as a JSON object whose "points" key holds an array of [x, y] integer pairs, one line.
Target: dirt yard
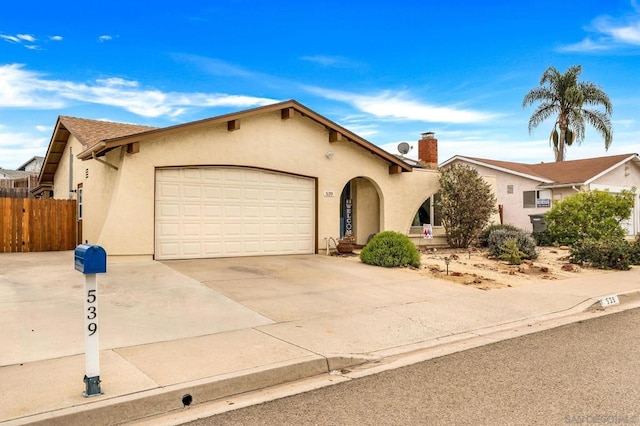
{"points": [[475, 268]]}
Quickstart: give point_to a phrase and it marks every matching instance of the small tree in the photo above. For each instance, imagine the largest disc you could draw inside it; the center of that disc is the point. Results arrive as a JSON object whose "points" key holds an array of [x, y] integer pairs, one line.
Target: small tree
{"points": [[593, 214], [467, 204]]}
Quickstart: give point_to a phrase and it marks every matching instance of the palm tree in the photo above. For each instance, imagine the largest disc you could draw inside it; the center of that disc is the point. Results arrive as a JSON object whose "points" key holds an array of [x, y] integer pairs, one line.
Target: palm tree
{"points": [[563, 96]]}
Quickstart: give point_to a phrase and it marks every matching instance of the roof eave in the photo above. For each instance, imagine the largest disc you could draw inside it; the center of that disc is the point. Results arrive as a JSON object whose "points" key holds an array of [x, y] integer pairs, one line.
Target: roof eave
{"points": [[106, 145], [52, 157], [494, 167]]}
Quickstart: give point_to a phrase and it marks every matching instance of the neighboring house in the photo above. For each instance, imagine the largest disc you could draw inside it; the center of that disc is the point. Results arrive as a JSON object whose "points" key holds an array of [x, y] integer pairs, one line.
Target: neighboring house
{"points": [[279, 179], [33, 165], [17, 183], [531, 189]]}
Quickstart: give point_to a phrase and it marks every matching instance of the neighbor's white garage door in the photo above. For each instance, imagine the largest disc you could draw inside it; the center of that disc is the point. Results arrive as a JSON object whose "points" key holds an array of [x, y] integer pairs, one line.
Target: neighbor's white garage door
{"points": [[232, 211]]}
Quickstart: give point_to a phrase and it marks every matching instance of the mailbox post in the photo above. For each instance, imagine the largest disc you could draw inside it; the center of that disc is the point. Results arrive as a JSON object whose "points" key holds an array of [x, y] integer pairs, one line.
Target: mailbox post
{"points": [[91, 260]]}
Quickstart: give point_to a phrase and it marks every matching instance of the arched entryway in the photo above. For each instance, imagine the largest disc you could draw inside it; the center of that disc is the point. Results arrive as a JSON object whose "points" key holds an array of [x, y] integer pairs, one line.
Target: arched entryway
{"points": [[360, 209]]}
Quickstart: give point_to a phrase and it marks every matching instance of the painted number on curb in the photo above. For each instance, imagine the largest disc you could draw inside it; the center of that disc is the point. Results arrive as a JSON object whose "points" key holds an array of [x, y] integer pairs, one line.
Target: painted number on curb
{"points": [[91, 312], [609, 301]]}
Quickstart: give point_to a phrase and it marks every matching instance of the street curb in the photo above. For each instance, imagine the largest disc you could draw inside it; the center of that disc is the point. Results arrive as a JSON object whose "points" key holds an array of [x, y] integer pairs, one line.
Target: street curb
{"points": [[140, 405], [153, 405]]}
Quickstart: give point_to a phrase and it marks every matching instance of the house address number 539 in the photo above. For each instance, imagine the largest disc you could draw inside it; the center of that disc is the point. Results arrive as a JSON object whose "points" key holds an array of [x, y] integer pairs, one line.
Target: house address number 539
{"points": [[92, 312]]}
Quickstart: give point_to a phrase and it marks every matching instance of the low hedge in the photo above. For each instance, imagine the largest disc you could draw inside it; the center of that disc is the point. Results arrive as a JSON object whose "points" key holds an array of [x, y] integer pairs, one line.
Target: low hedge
{"points": [[389, 249]]}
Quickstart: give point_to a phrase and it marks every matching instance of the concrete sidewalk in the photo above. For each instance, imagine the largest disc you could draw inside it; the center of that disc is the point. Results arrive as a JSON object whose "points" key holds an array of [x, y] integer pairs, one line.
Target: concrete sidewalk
{"points": [[220, 327]]}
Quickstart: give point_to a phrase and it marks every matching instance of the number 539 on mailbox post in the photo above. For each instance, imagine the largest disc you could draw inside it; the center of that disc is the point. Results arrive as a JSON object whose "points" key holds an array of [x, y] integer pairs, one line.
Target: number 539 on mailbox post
{"points": [[91, 260]]}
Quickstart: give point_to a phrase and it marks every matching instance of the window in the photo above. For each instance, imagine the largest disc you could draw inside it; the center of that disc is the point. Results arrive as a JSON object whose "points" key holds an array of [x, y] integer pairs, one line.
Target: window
{"points": [[79, 202], [509, 189], [429, 212], [533, 199]]}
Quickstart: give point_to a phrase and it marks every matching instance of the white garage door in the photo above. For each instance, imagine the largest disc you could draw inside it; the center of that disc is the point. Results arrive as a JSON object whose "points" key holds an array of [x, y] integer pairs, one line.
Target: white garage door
{"points": [[232, 211]]}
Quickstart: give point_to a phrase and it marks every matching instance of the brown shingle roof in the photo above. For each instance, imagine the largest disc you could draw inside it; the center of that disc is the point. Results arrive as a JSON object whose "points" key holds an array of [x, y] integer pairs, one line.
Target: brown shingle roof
{"points": [[90, 132], [527, 169], [563, 172]]}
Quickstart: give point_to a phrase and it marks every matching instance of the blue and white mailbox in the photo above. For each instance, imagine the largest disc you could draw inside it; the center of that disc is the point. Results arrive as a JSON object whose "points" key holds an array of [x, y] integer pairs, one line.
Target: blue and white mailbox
{"points": [[91, 260]]}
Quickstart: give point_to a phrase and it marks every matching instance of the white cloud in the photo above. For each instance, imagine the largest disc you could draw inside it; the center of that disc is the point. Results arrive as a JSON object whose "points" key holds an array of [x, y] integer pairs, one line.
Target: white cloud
{"points": [[609, 34], [399, 106], [42, 128], [26, 40], [104, 38], [55, 38], [26, 37], [12, 39], [332, 61], [16, 148], [22, 88]]}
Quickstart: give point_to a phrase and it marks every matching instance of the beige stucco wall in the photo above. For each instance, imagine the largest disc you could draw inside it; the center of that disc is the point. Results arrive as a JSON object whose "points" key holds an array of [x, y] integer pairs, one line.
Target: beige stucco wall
{"points": [[119, 205]]}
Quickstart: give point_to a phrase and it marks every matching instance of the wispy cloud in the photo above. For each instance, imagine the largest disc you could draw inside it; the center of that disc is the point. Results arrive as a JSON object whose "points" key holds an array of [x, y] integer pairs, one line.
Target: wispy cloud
{"points": [[333, 61], [26, 37], [399, 106], [28, 41], [23, 88], [609, 34], [10, 38], [104, 38], [17, 147], [220, 68]]}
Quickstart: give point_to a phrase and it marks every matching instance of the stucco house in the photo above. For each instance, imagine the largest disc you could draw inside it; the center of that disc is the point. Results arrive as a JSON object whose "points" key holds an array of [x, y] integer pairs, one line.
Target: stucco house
{"points": [[278, 179], [531, 189]]}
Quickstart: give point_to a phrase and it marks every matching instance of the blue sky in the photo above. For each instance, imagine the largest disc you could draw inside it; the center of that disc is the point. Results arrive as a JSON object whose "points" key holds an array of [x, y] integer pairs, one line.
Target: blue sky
{"points": [[386, 70]]}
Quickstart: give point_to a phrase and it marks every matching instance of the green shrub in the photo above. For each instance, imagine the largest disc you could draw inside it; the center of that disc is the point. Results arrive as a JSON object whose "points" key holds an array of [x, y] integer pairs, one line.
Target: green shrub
{"points": [[483, 238], [593, 214], [544, 238], [525, 243], [390, 249], [511, 253], [466, 204], [607, 253], [634, 254]]}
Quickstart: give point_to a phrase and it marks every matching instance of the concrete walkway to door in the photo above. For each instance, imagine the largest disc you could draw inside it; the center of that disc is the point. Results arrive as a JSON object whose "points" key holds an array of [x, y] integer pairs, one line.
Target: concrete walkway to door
{"points": [[219, 327]]}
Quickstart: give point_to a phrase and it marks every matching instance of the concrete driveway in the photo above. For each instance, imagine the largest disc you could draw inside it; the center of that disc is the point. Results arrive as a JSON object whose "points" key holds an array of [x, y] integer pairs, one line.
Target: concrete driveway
{"points": [[289, 288], [41, 295], [41, 299]]}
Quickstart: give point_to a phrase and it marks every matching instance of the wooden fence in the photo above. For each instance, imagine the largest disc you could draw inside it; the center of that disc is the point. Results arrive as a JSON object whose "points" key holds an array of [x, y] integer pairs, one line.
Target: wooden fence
{"points": [[32, 224]]}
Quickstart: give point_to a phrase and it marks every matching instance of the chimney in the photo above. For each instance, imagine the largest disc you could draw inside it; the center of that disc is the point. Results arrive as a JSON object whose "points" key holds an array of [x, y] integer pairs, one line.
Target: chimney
{"points": [[428, 150]]}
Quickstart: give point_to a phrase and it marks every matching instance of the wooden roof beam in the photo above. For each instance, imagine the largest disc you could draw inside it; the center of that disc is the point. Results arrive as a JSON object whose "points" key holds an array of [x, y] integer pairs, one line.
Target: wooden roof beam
{"points": [[335, 136], [133, 148], [287, 113], [395, 169], [233, 125]]}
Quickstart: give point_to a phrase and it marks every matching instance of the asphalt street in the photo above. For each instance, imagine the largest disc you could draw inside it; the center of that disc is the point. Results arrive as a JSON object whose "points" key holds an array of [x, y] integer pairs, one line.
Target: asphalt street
{"points": [[582, 373]]}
